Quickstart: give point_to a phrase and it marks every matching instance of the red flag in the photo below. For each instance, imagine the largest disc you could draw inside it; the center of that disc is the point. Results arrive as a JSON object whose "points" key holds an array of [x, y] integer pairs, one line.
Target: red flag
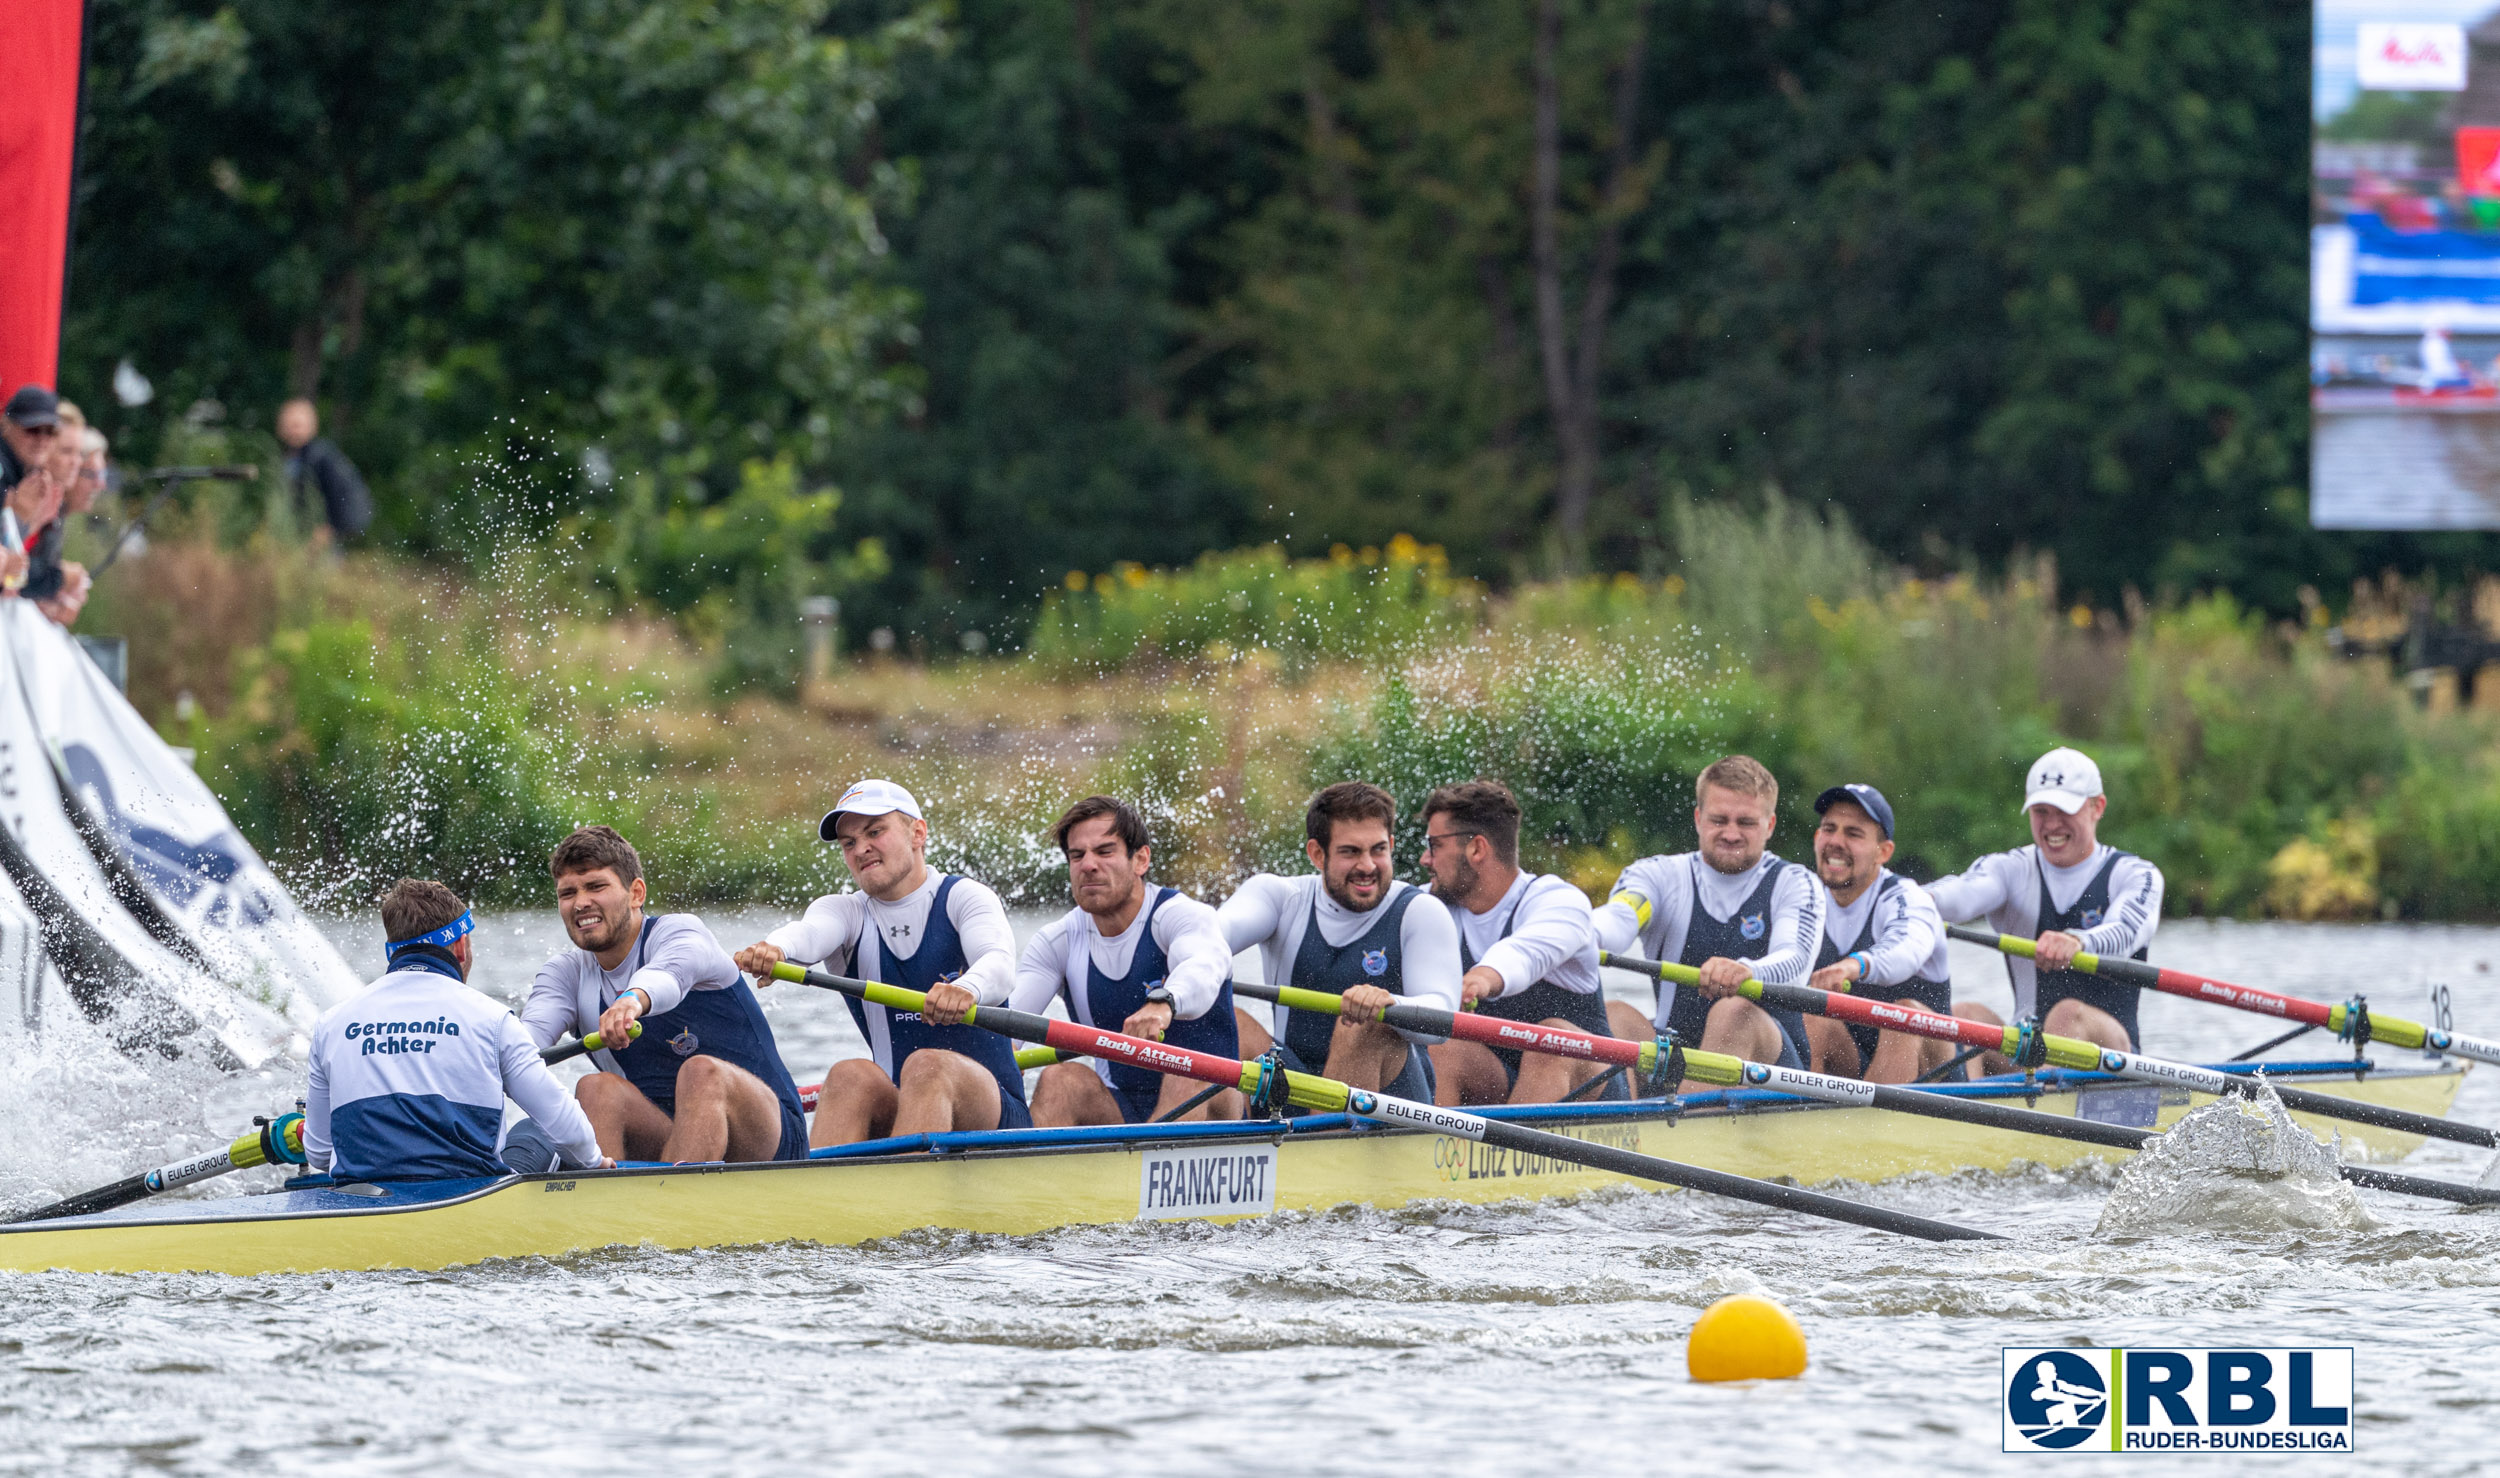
{"points": [[38, 139]]}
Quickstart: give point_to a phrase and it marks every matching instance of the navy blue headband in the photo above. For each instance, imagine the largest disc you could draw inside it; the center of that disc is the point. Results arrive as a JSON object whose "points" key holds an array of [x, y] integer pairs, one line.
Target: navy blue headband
{"points": [[442, 936]]}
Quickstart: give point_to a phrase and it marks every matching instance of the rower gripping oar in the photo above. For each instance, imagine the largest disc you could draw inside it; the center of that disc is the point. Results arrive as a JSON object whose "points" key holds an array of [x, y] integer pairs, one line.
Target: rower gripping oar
{"points": [[1717, 1068], [2066, 1052], [278, 1141], [1329, 1095], [2342, 1019]]}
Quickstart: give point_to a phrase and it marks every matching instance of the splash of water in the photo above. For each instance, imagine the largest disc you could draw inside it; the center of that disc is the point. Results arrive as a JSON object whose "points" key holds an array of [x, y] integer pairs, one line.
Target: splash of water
{"points": [[2236, 1165], [82, 1113]]}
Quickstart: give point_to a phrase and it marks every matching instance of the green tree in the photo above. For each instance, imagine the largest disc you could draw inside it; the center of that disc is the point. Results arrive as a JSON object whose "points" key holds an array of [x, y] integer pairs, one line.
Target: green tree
{"points": [[557, 241], [1050, 258]]}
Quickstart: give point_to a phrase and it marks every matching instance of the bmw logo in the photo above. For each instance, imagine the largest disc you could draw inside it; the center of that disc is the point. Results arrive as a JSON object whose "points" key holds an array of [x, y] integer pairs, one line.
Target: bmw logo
{"points": [[1360, 1102], [1756, 1073], [2112, 1062]]}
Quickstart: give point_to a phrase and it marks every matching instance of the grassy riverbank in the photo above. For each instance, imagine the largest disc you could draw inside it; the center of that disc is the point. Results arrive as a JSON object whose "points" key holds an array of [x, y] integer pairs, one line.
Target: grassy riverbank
{"points": [[371, 717]]}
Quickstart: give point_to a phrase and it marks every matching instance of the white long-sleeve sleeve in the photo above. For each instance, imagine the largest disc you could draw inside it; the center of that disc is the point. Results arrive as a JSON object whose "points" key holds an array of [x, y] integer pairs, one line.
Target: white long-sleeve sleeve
{"points": [[826, 934], [1429, 963], [2135, 898], [989, 941], [543, 1096], [1982, 889], [1257, 910], [1552, 930], [1042, 970], [1909, 937], [1796, 929], [1647, 909], [1197, 959]]}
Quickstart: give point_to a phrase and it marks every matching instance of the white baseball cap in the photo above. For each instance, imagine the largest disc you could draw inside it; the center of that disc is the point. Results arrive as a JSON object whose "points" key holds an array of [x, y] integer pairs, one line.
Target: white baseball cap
{"points": [[870, 798], [2064, 778]]}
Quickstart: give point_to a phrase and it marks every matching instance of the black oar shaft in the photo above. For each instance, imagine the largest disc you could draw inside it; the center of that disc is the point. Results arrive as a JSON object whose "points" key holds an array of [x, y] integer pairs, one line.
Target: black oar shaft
{"points": [[87, 1203], [2379, 1116], [1719, 1182]]}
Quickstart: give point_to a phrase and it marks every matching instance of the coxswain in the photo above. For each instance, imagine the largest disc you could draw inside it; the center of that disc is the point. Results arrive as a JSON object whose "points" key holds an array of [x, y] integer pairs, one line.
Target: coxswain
{"points": [[1732, 910], [1527, 946], [927, 1072], [1134, 957], [1882, 940], [1354, 929], [409, 1076], [705, 1080], [2074, 894]]}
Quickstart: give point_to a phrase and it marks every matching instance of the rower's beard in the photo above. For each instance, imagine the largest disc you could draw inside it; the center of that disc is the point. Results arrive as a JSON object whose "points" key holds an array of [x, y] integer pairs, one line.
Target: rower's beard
{"points": [[608, 929], [1343, 894], [1729, 863], [1100, 905], [1462, 883]]}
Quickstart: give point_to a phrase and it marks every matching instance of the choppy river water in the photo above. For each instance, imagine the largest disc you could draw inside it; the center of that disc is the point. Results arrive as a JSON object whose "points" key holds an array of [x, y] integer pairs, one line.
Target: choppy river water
{"points": [[1536, 1338]]}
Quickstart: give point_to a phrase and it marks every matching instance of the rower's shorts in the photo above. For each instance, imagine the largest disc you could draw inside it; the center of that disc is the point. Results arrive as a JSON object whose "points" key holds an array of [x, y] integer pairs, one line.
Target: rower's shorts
{"points": [[793, 1144]]}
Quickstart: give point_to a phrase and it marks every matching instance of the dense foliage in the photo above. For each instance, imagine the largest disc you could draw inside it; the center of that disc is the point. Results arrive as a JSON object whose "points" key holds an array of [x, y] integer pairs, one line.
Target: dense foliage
{"points": [[369, 720], [991, 290]]}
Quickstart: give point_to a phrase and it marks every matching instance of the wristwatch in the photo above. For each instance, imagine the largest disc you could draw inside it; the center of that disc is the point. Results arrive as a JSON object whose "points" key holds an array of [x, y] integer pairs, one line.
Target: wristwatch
{"points": [[1159, 994]]}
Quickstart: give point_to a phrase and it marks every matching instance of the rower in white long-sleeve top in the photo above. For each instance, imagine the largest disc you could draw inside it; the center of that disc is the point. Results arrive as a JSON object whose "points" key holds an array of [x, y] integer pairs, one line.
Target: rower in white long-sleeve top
{"points": [[1353, 929], [1527, 943], [1132, 957], [705, 1080], [929, 1071], [1882, 940], [2076, 894], [1731, 910], [409, 1076]]}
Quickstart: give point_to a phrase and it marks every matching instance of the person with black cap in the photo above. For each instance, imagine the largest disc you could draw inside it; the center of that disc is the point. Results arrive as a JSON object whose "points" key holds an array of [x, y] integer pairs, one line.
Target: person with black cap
{"points": [[1882, 939], [28, 429], [30, 432], [929, 1071]]}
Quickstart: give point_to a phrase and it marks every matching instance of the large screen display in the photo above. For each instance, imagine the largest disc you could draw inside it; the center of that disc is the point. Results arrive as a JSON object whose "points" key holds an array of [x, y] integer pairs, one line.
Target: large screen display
{"points": [[2404, 265]]}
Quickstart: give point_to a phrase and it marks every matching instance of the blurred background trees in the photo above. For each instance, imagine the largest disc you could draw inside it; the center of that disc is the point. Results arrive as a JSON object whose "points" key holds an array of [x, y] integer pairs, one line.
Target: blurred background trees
{"points": [[928, 304]]}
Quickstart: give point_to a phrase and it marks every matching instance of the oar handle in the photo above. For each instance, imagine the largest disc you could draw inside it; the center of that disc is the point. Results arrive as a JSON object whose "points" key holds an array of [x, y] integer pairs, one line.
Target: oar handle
{"points": [[1494, 1031], [567, 1051]]}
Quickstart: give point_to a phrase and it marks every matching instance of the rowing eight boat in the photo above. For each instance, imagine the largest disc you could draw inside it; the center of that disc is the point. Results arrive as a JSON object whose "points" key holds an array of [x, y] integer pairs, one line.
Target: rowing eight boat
{"points": [[1032, 1180]]}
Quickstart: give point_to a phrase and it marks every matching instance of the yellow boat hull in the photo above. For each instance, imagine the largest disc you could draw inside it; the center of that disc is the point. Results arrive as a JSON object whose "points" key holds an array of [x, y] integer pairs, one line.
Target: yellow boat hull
{"points": [[1012, 1190]]}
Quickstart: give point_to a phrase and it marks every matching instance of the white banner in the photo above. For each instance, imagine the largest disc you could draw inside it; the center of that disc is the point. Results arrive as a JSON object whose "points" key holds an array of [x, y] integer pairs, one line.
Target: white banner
{"points": [[107, 957], [2411, 56]]}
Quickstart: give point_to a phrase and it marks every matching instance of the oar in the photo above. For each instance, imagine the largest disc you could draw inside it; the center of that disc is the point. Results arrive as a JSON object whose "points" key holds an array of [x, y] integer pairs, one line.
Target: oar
{"points": [[1329, 1095], [1734, 1072], [2339, 1019], [2065, 1052], [278, 1141]]}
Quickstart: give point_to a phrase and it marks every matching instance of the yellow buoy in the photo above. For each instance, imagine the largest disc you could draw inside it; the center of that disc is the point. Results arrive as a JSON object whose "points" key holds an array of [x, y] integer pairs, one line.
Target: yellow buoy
{"points": [[1745, 1337]]}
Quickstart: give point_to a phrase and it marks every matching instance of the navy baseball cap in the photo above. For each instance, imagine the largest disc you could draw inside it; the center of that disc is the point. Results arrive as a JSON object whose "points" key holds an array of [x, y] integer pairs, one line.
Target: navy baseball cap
{"points": [[1865, 797], [34, 406]]}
